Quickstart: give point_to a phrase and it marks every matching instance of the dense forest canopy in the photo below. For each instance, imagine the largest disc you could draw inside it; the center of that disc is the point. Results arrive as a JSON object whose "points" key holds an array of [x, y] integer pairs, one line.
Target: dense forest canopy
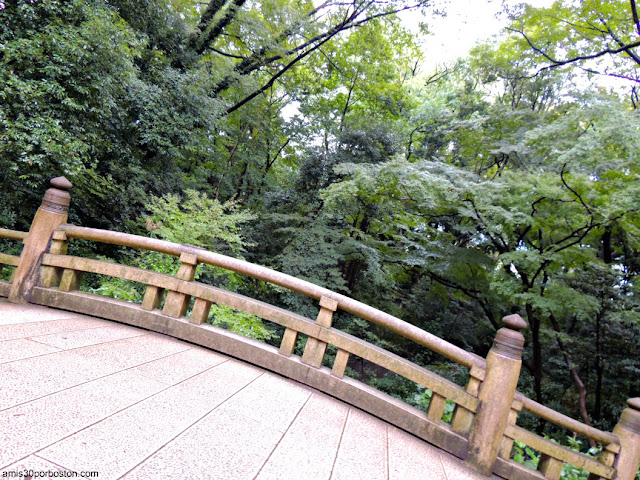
{"points": [[504, 183]]}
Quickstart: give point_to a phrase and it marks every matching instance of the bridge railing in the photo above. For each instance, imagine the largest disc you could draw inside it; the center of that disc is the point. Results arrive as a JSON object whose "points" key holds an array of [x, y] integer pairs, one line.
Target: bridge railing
{"points": [[483, 427], [7, 259]]}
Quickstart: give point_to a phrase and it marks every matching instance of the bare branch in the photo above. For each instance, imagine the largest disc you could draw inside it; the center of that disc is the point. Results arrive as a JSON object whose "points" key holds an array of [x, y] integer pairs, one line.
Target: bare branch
{"points": [[578, 196], [626, 48], [273, 79], [225, 54], [634, 13], [437, 76], [620, 42]]}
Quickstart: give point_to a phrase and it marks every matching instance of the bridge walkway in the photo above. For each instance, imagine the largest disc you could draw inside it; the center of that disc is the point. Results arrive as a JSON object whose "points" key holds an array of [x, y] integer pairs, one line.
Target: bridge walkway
{"points": [[90, 395]]}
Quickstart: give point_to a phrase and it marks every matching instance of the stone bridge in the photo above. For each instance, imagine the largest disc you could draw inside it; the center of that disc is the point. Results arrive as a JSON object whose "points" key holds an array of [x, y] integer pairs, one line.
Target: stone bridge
{"points": [[137, 401]]}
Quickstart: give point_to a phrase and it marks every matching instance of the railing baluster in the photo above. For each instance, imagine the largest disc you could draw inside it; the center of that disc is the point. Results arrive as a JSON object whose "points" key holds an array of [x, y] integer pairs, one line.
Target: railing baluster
{"points": [[462, 419], [288, 343], [550, 467], [176, 304], [340, 363], [507, 442], [200, 311], [607, 457], [152, 297], [70, 280], [436, 407], [315, 349]]}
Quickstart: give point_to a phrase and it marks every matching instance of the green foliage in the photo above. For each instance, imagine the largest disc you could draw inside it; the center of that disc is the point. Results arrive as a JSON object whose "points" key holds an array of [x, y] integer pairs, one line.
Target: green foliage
{"points": [[239, 322], [119, 289], [525, 455], [198, 220], [568, 34]]}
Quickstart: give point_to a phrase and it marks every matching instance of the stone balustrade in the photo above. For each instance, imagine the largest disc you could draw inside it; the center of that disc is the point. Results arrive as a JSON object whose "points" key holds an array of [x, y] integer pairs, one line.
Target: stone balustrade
{"points": [[482, 429]]}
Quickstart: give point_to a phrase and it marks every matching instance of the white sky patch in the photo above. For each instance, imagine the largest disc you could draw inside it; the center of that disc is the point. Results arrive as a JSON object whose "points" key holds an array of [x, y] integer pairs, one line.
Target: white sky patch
{"points": [[466, 23], [290, 110]]}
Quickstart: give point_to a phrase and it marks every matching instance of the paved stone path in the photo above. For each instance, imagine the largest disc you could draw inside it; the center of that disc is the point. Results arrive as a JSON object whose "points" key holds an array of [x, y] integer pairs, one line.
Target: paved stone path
{"points": [[88, 395]]}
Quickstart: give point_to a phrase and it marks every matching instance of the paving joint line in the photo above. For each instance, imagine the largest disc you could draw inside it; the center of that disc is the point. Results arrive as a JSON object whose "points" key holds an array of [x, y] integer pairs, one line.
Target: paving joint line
{"points": [[102, 376], [283, 435], [117, 411], [189, 426], [386, 432], [344, 427]]}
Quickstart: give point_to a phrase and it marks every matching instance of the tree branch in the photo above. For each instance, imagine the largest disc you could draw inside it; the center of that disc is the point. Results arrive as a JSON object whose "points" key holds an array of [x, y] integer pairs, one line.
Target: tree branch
{"points": [[206, 33], [273, 79], [634, 13], [575, 376], [574, 192], [260, 59], [627, 48]]}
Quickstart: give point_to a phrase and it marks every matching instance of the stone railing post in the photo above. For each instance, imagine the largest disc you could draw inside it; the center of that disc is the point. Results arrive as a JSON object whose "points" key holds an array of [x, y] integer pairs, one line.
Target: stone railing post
{"points": [[496, 395], [176, 304], [628, 431], [314, 349], [50, 215]]}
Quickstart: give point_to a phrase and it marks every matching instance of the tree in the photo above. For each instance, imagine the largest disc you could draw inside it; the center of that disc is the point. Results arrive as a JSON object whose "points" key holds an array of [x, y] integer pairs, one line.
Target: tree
{"points": [[598, 37], [147, 110]]}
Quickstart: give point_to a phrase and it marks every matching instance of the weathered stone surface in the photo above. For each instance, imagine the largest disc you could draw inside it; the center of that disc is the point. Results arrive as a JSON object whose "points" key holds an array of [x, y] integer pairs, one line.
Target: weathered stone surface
{"points": [[149, 408]]}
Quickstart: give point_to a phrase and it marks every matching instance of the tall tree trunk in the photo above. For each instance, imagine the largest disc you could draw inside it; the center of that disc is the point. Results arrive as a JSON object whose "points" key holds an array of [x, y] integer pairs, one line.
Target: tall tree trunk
{"points": [[606, 245], [599, 367], [534, 324], [575, 376]]}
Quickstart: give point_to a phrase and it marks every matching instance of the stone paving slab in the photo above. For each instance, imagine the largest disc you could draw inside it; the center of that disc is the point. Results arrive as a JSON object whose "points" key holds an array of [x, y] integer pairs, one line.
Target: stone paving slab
{"points": [[175, 368], [309, 447], [136, 405], [35, 329], [12, 350], [271, 400], [363, 448], [131, 352], [410, 458], [32, 426], [223, 445], [90, 336], [20, 313], [31, 378], [119, 443]]}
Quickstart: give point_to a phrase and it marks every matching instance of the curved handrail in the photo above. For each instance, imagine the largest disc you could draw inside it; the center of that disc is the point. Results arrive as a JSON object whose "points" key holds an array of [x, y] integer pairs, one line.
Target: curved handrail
{"points": [[345, 303], [605, 438], [304, 287], [47, 276], [13, 234]]}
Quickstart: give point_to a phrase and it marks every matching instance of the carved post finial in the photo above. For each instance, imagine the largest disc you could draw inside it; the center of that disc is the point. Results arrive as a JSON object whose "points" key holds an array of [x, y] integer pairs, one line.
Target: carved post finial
{"points": [[514, 322], [509, 341], [57, 198], [634, 403], [51, 214], [496, 395], [61, 183]]}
